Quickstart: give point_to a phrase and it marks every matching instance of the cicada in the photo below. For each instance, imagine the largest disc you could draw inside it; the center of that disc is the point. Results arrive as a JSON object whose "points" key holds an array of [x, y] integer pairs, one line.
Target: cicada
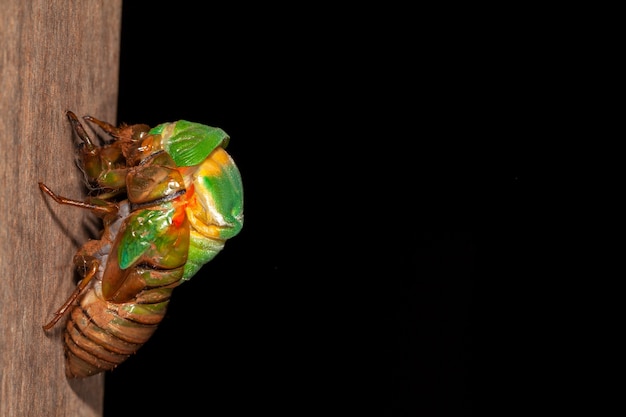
{"points": [[168, 197]]}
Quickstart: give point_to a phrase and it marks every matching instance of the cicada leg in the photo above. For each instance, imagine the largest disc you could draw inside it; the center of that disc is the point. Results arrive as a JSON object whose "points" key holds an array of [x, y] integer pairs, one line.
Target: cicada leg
{"points": [[90, 264], [102, 209], [113, 131], [82, 284], [80, 131]]}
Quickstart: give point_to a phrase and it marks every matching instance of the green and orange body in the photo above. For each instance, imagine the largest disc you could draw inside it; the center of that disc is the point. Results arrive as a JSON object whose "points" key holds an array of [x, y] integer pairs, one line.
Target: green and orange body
{"points": [[169, 198]]}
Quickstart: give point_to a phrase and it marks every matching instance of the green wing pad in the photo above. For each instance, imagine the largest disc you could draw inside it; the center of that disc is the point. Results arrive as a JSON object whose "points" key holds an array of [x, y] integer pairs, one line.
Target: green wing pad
{"points": [[190, 143], [201, 251], [219, 183], [150, 234]]}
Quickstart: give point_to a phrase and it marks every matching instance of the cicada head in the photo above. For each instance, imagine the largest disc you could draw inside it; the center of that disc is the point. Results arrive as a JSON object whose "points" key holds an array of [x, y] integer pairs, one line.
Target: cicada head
{"points": [[104, 166]]}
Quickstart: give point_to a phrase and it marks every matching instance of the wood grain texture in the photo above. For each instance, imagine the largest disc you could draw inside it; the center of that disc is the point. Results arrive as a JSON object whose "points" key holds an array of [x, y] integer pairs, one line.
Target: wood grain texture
{"points": [[55, 56]]}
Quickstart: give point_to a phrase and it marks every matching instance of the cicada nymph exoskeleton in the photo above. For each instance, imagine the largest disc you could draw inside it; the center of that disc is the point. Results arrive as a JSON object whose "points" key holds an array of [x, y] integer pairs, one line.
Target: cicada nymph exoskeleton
{"points": [[169, 197]]}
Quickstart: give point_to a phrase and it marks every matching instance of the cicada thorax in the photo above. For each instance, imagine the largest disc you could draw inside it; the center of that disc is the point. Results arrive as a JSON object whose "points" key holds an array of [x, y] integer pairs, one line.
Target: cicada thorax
{"points": [[214, 208], [141, 258], [215, 192]]}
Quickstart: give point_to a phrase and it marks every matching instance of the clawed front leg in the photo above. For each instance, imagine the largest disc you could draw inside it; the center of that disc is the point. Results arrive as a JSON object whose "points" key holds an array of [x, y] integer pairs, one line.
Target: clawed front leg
{"points": [[103, 165]]}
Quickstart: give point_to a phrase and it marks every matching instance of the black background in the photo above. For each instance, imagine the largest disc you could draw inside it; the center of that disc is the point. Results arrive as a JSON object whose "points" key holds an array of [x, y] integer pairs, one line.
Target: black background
{"points": [[358, 281]]}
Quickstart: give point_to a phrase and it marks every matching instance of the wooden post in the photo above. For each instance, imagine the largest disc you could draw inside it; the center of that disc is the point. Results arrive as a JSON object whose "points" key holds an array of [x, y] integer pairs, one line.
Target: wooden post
{"points": [[55, 55]]}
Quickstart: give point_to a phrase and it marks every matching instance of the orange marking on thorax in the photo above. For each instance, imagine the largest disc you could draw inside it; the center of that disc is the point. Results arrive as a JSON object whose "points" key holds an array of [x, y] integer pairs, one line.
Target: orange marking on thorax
{"points": [[183, 201], [179, 216]]}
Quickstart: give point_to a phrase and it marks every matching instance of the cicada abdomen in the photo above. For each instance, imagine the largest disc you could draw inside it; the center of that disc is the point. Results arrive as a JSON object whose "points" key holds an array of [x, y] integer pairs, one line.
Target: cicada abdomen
{"points": [[161, 224]]}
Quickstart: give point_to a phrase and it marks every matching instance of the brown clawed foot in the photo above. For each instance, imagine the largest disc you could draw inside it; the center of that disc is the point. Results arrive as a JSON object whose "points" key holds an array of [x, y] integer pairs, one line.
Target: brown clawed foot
{"points": [[80, 130], [107, 127]]}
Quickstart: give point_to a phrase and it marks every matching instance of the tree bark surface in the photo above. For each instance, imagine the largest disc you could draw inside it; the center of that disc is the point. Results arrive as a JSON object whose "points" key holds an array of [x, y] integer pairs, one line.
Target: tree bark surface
{"points": [[54, 56]]}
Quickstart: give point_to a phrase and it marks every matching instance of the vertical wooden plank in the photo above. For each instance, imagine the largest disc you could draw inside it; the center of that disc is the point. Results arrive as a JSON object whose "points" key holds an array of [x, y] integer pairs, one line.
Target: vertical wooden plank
{"points": [[56, 56]]}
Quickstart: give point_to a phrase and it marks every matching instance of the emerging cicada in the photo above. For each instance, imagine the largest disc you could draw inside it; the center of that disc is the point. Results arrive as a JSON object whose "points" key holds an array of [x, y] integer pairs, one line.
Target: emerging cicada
{"points": [[169, 197]]}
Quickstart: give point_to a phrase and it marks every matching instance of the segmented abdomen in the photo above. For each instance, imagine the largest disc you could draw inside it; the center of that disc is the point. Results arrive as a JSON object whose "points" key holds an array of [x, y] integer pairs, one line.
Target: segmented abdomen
{"points": [[100, 334]]}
